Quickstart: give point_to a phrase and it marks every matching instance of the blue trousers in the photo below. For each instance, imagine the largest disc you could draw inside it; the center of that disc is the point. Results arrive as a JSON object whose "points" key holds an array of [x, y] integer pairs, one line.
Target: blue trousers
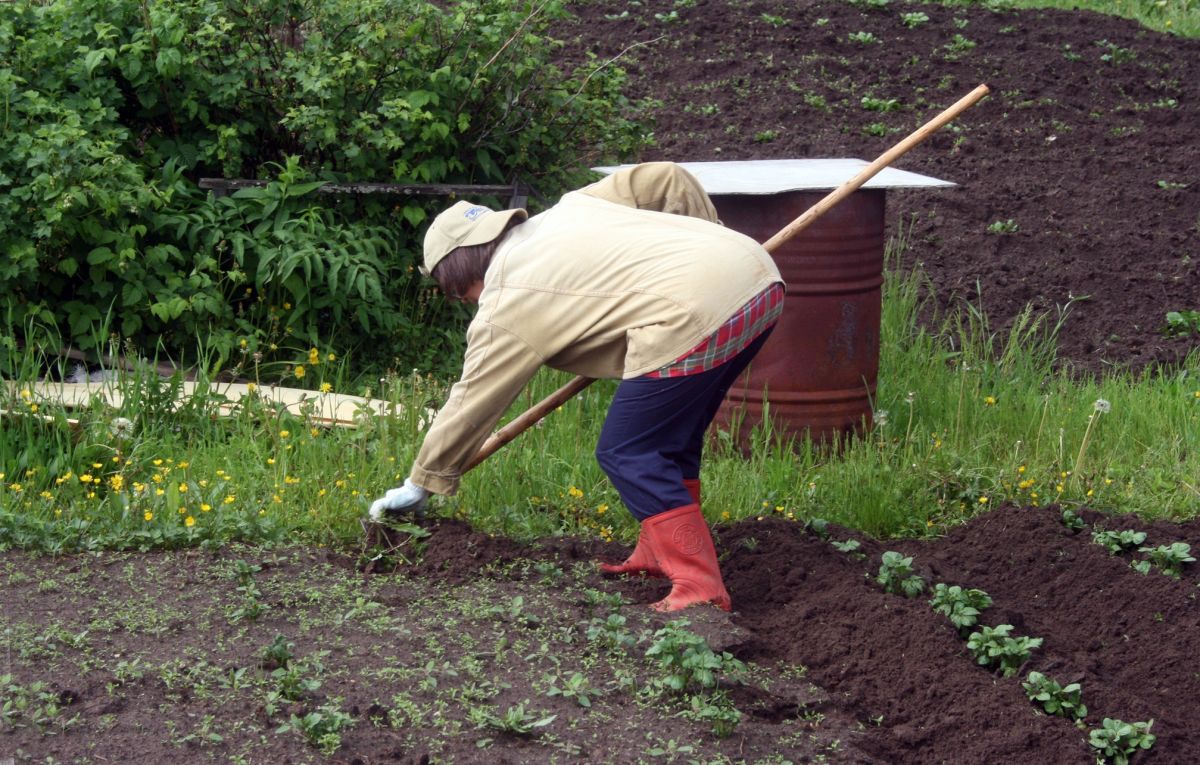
{"points": [[653, 435]]}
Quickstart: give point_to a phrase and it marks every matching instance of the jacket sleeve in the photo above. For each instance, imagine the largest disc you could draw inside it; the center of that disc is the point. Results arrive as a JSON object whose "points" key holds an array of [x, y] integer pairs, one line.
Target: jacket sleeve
{"points": [[659, 186], [496, 368]]}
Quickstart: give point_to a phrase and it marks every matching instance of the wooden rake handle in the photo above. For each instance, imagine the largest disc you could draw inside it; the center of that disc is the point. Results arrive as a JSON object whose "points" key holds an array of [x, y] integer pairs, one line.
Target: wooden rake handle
{"points": [[556, 399]]}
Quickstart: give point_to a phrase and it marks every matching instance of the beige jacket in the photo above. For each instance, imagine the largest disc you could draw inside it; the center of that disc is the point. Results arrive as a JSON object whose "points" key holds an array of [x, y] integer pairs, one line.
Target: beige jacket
{"points": [[601, 285]]}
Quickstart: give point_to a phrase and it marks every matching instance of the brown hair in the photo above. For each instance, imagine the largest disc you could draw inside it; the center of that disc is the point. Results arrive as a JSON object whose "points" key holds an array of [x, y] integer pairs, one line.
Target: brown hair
{"points": [[463, 266]]}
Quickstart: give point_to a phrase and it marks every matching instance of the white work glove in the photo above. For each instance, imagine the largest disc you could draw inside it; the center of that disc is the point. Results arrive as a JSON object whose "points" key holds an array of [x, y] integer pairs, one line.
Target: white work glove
{"points": [[406, 500]]}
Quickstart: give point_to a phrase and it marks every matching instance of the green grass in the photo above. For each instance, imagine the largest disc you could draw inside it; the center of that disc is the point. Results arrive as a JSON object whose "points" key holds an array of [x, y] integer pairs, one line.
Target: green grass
{"points": [[973, 420], [1180, 17]]}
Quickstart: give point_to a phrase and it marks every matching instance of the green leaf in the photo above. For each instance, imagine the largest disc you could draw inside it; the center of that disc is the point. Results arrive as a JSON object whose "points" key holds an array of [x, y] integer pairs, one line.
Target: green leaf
{"points": [[99, 256], [490, 168], [414, 214], [300, 189], [93, 59]]}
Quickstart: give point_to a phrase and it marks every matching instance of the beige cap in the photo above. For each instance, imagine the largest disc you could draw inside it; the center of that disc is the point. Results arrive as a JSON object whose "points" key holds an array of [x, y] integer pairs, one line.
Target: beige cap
{"points": [[462, 225]]}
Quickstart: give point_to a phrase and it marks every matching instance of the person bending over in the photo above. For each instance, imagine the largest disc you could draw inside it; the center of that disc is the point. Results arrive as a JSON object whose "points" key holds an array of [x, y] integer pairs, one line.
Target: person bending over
{"points": [[631, 278]]}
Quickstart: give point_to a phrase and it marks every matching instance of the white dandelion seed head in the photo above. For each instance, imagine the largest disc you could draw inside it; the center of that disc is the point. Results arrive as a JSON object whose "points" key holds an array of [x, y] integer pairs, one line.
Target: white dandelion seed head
{"points": [[1102, 406], [881, 417], [911, 397], [121, 427]]}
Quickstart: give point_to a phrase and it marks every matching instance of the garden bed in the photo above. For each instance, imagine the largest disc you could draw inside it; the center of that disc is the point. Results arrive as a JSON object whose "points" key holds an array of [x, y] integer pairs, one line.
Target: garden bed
{"points": [[480, 649]]}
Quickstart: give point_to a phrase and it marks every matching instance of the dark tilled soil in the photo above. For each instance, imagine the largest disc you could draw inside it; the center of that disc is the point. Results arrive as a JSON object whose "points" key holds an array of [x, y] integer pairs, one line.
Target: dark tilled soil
{"points": [[1087, 142], [142, 651]]}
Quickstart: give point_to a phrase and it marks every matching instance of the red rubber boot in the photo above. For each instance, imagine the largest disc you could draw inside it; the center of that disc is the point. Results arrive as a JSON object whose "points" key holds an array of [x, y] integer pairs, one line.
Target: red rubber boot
{"points": [[682, 544], [641, 560]]}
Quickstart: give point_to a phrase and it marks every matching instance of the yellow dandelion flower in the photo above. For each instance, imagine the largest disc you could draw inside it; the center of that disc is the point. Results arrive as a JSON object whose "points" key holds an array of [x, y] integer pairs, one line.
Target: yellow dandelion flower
{"points": [[117, 482], [278, 499], [284, 433], [326, 387], [314, 432], [314, 356], [251, 387], [321, 492], [85, 478], [574, 492], [287, 306], [602, 509], [46, 495], [189, 521], [183, 465], [299, 371], [1021, 469], [159, 491], [33, 408], [725, 515], [149, 516], [242, 343], [270, 460], [157, 462], [205, 507], [983, 500], [990, 401], [333, 357], [183, 487]]}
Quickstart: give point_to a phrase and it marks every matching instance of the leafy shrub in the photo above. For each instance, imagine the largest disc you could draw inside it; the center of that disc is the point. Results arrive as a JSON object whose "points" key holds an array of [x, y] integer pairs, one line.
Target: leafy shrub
{"points": [[115, 108], [897, 577], [1182, 323], [687, 661], [1170, 559], [961, 606], [993, 647], [1116, 741], [1062, 700], [1118, 541]]}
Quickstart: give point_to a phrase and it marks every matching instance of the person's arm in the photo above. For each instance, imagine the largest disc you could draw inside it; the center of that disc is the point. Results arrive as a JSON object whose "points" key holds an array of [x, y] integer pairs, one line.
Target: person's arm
{"points": [[659, 186], [496, 368]]}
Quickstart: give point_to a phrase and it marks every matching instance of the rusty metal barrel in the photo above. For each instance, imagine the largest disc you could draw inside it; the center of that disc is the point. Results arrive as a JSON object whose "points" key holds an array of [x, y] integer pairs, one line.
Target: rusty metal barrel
{"points": [[816, 375]]}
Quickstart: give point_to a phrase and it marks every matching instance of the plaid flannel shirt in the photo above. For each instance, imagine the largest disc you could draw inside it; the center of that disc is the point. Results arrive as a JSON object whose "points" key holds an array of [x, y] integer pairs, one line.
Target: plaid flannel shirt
{"points": [[731, 338]]}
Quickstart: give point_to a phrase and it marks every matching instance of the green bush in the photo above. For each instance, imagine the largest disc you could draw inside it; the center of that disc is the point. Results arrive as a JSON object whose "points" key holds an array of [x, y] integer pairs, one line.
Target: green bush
{"points": [[113, 109]]}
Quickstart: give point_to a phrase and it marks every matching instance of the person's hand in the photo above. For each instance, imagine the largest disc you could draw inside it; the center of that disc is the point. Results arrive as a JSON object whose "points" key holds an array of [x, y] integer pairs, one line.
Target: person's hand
{"points": [[406, 500]]}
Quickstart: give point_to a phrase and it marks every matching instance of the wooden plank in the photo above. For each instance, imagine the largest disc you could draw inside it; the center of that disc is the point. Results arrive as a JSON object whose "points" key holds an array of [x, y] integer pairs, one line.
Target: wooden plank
{"points": [[326, 408]]}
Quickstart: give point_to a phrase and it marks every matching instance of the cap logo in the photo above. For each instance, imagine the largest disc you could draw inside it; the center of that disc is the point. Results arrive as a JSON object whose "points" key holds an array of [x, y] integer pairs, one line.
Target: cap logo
{"points": [[472, 213]]}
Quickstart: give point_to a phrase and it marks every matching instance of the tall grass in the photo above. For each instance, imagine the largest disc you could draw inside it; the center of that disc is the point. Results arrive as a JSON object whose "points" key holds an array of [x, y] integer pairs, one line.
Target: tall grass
{"points": [[967, 419]]}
